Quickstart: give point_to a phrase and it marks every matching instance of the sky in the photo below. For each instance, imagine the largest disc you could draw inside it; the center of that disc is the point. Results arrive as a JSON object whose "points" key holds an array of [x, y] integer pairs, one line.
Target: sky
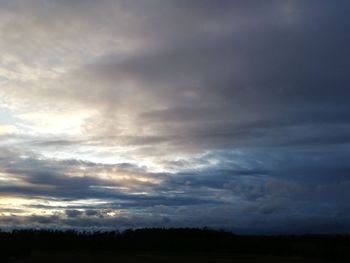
{"points": [[175, 113]]}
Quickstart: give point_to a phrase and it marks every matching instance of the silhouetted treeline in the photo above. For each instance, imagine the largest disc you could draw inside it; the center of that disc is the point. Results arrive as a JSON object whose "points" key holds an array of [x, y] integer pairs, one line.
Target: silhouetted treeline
{"points": [[20, 243]]}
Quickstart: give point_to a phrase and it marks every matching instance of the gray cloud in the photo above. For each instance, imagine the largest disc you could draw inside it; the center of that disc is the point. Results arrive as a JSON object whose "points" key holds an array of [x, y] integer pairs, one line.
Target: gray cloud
{"points": [[228, 87], [231, 114], [226, 195]]}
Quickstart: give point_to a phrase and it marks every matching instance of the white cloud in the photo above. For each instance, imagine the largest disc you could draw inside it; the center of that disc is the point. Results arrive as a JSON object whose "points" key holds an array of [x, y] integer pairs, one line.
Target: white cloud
{"points": [[8, 129]]}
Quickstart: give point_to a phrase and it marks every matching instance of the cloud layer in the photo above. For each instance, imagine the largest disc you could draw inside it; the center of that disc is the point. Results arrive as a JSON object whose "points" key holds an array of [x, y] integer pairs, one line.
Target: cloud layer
{"points": [[144, 113]]}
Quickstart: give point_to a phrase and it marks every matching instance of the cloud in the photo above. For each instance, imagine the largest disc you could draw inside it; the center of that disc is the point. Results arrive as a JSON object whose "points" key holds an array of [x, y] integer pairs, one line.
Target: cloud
{"points": [[73, 213], [70, 193], [174, 113], [7, 129], [222, 88]]}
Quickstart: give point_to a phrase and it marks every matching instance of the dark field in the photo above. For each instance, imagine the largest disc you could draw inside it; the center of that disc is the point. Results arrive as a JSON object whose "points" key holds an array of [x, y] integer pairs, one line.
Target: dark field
{"points": [[169, 245], [101, 257]]}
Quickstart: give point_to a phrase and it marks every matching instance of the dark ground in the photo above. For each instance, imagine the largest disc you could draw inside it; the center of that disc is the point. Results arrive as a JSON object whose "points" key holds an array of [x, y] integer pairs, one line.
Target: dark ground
{"points": [[169, 245], [101, 257]]}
